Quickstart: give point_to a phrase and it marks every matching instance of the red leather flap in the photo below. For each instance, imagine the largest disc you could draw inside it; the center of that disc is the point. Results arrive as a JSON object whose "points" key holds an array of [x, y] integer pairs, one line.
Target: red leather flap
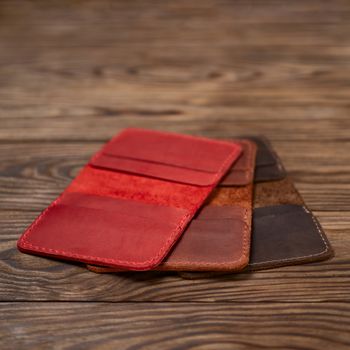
{"points": [[173, 157], [96, 229]]}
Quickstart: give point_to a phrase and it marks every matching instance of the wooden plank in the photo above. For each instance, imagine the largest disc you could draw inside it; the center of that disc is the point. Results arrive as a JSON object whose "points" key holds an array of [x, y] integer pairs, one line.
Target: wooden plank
{"points": [[175, 326], [101, 123], [180, 22], [311, 11]]}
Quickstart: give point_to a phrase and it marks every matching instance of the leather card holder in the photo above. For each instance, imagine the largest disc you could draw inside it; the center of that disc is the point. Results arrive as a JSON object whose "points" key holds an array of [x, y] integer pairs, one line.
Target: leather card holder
{"points": [[218, 238], [130, 204]]}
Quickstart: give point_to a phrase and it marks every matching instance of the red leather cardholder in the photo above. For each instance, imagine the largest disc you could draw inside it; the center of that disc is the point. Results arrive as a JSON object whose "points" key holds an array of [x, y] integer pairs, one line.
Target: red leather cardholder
{"points": [[132, 201]]}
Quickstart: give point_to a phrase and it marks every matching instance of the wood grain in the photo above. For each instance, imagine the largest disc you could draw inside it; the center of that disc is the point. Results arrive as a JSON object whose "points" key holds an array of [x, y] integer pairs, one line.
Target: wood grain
{"points": [[174, 326], [72, 74]]}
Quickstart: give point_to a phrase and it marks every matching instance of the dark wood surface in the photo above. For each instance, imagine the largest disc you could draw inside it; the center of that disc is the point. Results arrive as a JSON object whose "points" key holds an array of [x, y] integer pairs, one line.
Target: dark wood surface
{"points": [[73, 73]]}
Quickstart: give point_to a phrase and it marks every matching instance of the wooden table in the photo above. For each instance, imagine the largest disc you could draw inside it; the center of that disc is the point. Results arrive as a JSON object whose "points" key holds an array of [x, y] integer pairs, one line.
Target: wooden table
{"points": [[73, 73]]}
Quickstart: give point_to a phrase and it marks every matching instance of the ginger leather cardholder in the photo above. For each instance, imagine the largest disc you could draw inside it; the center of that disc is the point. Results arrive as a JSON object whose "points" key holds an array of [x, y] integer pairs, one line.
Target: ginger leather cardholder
{"points": [[218, 238], [130, 204]]}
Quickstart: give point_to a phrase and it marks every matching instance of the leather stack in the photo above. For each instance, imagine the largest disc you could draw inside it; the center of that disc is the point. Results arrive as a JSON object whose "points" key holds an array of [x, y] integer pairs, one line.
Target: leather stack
{"points": [[168, 202]]}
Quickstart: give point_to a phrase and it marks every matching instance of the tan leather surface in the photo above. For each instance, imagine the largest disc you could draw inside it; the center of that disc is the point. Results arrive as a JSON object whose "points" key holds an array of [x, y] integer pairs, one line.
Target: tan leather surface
{"points": [[213, 242]]}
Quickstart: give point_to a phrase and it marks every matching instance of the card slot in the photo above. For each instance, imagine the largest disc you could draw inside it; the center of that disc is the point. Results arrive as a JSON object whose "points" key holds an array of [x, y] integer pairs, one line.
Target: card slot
{"points": [[154, 170], [99, 236], [220, 212], [154, 162], [208, 245], [178, 158], [171, 149]]}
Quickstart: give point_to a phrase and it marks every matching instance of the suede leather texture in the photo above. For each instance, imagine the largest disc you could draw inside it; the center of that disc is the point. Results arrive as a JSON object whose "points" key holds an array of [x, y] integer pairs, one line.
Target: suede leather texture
{"points": [[147, 184], [227, 215]]}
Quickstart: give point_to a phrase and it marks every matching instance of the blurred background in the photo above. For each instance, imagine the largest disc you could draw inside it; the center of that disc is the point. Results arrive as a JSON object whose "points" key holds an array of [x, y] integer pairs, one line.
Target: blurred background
{"points": [[74, 73], [81, 70]]}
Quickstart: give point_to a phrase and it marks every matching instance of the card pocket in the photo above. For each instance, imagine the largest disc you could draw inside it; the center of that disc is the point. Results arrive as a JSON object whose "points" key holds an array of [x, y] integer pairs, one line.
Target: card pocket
{"points": [[286, 234], [182, 159], [210, 245], [96, 230]]}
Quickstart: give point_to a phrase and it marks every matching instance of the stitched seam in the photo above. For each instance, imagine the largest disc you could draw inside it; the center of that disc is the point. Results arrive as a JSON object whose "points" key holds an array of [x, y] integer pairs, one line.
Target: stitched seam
{"points": [[305, 256], [178, 229]]}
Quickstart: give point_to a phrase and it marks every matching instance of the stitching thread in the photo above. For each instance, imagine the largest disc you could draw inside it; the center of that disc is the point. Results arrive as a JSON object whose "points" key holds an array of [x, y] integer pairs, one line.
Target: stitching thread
{"points": [[320, 232]]}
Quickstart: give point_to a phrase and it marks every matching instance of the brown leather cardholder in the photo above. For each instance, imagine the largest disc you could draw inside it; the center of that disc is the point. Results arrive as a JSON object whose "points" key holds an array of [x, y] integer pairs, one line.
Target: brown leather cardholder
{"points": [[218, 238]]}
